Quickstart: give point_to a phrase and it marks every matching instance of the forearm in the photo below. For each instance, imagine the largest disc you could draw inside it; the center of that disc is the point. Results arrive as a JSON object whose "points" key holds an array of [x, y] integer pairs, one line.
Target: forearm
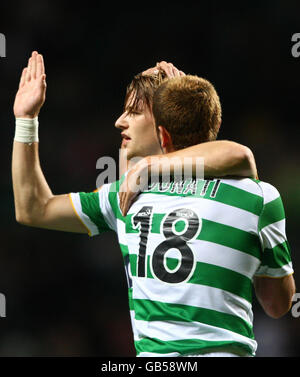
{"points": [[219, 158], [31, 191], [275, 295]]}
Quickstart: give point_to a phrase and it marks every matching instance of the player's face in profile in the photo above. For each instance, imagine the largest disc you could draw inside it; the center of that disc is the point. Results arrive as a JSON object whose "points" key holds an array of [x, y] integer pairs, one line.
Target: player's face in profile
{"points": [[139, 136]]}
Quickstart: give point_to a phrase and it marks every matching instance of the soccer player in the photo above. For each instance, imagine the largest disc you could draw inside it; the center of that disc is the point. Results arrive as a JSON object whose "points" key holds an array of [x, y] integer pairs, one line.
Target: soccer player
{"points": [[195, 246], [93, 213]]}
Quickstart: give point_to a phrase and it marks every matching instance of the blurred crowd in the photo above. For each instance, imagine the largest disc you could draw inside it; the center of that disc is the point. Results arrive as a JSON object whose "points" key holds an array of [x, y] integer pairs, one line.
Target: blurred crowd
{"points": [[66, 294]]}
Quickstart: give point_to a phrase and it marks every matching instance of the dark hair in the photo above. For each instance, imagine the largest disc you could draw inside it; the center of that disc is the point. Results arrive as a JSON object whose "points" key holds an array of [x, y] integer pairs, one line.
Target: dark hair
{"points": [[143, 88]]}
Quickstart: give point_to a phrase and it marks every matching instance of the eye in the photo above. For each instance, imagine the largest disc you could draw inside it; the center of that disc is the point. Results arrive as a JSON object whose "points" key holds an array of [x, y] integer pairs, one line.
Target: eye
{"points": [[134, 113]]}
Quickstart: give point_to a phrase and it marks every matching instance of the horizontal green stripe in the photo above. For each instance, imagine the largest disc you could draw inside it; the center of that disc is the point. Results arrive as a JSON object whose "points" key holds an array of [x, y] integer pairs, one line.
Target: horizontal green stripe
{"points": [[277, 257], [209, 275], [239, 198], [271, 213], [221, 234], [147, 310], [229, 236], [188, 346], [222, 278], [90, 207], [226, 194]]}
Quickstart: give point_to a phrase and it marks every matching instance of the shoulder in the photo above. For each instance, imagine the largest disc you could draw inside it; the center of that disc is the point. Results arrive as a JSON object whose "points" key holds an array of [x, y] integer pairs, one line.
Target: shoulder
{"points": [[269, 192], [246, 184], [254, 186]]}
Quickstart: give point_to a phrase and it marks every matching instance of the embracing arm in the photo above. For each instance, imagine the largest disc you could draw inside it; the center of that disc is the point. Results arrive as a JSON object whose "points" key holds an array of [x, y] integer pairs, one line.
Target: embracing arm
{"points": [[218, 159], [35, 204]]}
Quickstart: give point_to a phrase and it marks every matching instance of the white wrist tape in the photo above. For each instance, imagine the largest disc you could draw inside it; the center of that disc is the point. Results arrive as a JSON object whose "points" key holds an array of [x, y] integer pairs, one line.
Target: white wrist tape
{"points": [[27, 130]]}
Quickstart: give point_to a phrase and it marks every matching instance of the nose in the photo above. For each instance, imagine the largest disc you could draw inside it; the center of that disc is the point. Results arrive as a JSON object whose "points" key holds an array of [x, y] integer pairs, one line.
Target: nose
{"points": [[122, 122]]}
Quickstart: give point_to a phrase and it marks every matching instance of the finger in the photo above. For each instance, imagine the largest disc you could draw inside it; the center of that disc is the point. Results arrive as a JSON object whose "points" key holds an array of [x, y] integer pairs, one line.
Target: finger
{"points": [[167, 68], [120, 203], [125, 205], [23, 77], [130, 199], [40, 67], [42, 79], [181, 73], [121, 196], [122, 200], [176, 72], [150, 71], [28, 71], [33, 65]]}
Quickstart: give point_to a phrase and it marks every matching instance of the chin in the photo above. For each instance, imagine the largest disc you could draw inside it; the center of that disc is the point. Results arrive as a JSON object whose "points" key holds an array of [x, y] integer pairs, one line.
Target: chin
{"points": [[135, 155]]}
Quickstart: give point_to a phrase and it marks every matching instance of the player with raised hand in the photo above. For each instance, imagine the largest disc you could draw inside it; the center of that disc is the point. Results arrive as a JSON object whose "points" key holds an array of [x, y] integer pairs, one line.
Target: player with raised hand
{"points": [[36, 205]]}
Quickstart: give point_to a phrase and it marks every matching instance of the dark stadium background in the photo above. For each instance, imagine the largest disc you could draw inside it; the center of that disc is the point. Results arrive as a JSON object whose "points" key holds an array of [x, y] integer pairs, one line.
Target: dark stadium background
{"points": [[66, 293]]}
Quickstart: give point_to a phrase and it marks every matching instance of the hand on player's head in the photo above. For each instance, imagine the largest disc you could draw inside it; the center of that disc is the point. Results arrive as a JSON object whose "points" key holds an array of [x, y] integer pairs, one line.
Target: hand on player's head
{"points": [[168, 68]]}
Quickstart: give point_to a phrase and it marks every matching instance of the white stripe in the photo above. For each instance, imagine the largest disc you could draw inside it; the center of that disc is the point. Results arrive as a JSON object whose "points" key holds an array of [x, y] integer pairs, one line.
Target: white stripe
{"points": [[121, 230], [193, 295], [169, 331], [135, 336], [273, 234], [205, 252], [93, 229], [105, 207], [285, 270], [270, 193], [205, 208], [226, 257], [245, 184]]}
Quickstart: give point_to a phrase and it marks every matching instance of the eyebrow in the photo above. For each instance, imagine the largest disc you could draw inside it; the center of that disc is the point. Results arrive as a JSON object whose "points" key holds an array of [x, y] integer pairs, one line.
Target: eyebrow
{"points": [[134, 108], [130, 109]]}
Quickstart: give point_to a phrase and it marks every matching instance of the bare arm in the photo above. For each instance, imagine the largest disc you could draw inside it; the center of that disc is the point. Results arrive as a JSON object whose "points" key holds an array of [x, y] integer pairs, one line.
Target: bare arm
{"points": [[220, 158], [275, 294], [35, 204]]}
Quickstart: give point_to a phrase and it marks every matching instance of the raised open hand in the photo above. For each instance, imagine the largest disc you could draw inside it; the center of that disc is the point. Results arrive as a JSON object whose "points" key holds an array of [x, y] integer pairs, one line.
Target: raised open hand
{"points": [[32, 88]]}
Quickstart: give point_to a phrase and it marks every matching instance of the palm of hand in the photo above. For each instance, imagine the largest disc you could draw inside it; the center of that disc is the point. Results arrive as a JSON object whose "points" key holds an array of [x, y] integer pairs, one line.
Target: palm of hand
{"points": [[32, 88], [29, 99]]}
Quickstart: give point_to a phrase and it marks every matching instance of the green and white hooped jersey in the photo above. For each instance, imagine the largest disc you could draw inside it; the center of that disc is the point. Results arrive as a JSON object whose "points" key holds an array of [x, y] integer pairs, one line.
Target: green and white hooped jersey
{"points": [[191, 250]]}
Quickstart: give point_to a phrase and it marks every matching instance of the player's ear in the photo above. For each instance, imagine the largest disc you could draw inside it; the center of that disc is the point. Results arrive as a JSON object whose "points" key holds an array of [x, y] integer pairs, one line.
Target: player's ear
{"points": [[165, 139]]}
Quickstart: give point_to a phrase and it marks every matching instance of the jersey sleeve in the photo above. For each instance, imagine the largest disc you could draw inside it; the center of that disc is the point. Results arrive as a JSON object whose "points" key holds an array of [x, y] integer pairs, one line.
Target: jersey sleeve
{"points": [[94, 210], [276, 258]]}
